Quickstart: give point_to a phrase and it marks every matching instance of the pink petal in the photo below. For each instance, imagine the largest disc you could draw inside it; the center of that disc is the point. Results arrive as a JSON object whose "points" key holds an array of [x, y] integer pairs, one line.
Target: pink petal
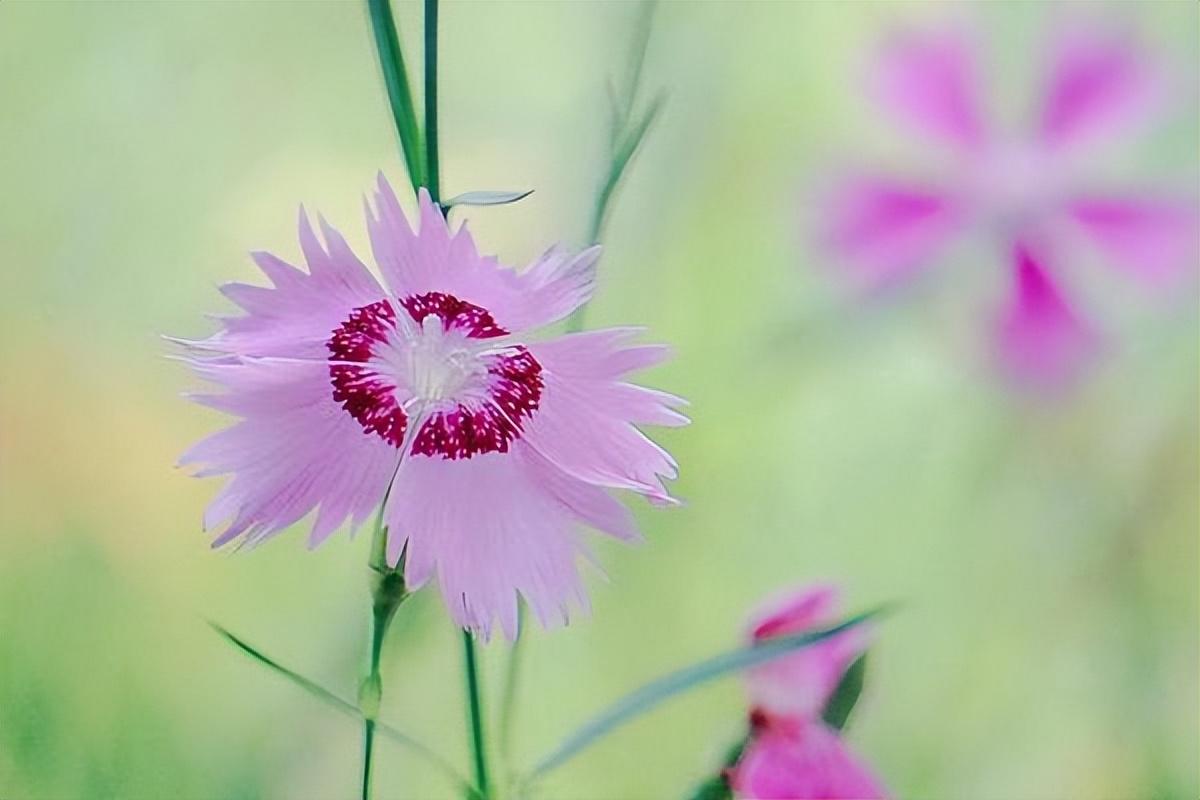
{"points": [[811, 763], [293, 451], [930, 81], [883, 230], [1041, 342], [436, 259], [1097, 85], [585, 420], [1154, 239], [294, 317], [490, 527], [798, 686]]}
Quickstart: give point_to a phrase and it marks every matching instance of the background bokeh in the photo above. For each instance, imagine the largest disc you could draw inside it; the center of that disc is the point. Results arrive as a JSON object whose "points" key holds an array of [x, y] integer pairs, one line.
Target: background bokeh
{"points": [[1045, 555]]}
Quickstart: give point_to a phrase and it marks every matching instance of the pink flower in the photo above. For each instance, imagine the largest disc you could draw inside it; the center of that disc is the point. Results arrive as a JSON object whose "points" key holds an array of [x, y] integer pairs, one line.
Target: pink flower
{"points": [[802, 761], [798, 686], [791, 753], [1037, 193], [491, 447]]}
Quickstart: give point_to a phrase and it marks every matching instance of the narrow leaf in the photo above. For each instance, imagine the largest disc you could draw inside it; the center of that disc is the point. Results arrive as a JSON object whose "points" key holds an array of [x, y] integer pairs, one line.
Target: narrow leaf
{"points": [[635, 136], [652, 694], [395, 79], [845, 696], [486, 198], [348, 708]]}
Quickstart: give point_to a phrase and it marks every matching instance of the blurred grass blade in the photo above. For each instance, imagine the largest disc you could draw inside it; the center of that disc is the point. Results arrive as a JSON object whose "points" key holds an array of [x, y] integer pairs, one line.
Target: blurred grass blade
{"points": [[845, 696], [486, 198], [348, 708], [395, 79], [652, 694]]}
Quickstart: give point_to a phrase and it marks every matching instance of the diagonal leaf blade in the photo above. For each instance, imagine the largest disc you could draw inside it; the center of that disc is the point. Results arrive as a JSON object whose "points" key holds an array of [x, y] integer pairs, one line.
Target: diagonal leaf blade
{"points": [[348, 708], [657, 691], [395, 80]]}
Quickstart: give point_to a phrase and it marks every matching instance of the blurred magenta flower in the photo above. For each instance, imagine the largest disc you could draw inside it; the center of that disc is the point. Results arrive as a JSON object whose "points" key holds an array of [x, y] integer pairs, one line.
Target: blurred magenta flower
{"points": [[1036, 194], [490, 448], [791, 752], [801, 760], [799, 685]]}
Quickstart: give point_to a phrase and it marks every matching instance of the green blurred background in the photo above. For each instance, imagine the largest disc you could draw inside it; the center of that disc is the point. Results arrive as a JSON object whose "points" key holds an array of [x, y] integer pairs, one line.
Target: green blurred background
{"points": [[1046, 557]]}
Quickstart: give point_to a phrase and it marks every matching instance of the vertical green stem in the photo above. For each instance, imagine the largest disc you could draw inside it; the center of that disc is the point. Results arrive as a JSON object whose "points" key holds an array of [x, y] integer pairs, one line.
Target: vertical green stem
{"points": [[432, 171], [395, 78], [387, 593], [475, 703]]}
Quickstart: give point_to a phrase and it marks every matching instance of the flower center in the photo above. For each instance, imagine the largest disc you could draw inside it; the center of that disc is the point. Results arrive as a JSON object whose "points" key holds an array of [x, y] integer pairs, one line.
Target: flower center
{"points": [[434, 359], [1014, 183]]}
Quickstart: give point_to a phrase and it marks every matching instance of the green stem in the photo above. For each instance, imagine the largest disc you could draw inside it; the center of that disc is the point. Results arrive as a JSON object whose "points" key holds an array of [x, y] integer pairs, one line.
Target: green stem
{"points": [[475, 704], [395, 78], [627, 135], [432, 171], [387, 593]]}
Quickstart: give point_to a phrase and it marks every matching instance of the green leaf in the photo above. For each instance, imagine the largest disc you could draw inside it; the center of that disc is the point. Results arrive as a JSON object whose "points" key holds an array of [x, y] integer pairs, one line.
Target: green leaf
{"points": [[657, 691], [395, 79], [332, 700], [842, 701], [486, 198], [717, 787]]}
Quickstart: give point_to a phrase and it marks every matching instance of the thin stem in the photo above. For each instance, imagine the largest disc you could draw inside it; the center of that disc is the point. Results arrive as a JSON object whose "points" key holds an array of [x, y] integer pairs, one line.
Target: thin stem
{"points": [[387, 593], [432, 171], [346, 707], [395, 78], [627, 135], [368, 750], [475, 705]]}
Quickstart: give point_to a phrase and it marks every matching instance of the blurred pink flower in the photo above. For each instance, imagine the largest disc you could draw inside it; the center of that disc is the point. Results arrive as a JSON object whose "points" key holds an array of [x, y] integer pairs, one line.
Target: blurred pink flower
{"points": [[801, 761], [798, 686], [791, 752], [494, 447], [1035, 193]]}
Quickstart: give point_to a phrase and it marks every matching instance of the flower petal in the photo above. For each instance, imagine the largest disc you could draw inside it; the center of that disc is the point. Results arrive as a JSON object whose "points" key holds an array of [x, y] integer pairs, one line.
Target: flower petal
{"points": [[584, 423], [1155, 239], [435, 259], [293, 450], [799, 685], [294, 317], [883, 229], [1098, 85], [1041, 342], [488, 528], [930, 81], [808, 764]]}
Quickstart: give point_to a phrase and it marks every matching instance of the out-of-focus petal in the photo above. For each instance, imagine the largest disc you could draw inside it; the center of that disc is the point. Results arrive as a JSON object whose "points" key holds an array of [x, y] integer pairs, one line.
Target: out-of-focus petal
{"points": [[1154, 239], [1041, 342], [1097, 85], [799, 685], [883, 230], [811, 763], [930, 81]]}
